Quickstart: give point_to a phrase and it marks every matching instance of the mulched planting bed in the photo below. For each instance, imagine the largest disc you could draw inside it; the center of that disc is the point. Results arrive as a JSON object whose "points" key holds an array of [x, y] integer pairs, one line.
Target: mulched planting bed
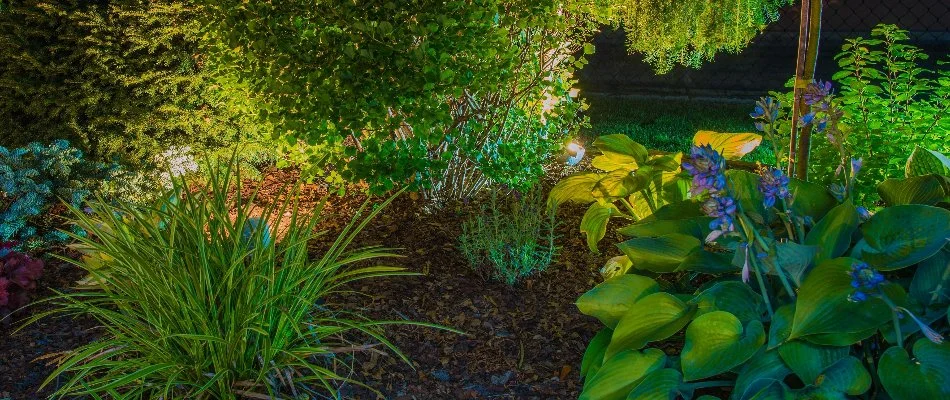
{"points": [[520, 342]]}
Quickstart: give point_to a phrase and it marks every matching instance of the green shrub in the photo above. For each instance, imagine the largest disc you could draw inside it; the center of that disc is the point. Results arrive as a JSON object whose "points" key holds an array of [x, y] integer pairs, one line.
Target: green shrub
{"points": [[120, 80], [34, 180], [782, 288], [393, 92], [200, 298], [513, 242]]}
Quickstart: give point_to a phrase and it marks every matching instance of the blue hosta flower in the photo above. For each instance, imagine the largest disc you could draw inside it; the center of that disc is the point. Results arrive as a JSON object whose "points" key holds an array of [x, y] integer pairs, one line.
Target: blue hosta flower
{"points": [[865, 281], [722, 208], [856, 164], [774, 185], [707, 167], [576, 153], [931, 334], [807, 118], [864, 213], [816, 92], [766, 109], [745, 265]]}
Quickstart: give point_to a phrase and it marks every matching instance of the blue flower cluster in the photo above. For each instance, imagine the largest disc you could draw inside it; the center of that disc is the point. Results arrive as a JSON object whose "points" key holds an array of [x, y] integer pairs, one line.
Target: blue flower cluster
{"points": [[774, 185], [865, 280], [766, 112], [722, 208], [707, 167], [816, 92]]}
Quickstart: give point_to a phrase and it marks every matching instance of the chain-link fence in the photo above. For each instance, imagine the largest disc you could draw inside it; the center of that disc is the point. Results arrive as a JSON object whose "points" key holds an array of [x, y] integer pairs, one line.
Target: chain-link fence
{"points": [[769, 61]]}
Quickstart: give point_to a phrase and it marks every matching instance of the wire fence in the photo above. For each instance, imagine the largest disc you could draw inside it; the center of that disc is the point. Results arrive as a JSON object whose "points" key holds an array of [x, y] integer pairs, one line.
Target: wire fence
{"points": [[769, 62]]}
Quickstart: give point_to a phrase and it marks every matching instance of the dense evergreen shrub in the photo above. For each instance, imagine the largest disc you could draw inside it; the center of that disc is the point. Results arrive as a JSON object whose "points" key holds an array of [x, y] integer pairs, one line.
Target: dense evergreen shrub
{"points": [[34, 181], [117, 78]]}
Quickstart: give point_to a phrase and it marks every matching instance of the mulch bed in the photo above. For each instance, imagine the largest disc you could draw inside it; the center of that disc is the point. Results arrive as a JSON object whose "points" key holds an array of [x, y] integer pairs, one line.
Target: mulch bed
{"points": [[521, 342]]}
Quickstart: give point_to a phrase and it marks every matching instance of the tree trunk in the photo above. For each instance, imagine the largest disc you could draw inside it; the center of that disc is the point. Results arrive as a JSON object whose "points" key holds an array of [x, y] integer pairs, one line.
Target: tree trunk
{"points": [[808, 35]]}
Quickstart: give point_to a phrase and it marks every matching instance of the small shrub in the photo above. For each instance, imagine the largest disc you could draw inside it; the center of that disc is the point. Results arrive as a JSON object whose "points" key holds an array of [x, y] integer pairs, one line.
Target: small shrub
{"points": [[18, 275], [512, 243], [33, 181], [200, 299]]}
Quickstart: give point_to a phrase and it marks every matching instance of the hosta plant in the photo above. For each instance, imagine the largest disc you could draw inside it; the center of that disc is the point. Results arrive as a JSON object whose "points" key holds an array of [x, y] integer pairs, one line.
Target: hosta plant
{"points": [[774, 288], [208, 295], [631, 183]]}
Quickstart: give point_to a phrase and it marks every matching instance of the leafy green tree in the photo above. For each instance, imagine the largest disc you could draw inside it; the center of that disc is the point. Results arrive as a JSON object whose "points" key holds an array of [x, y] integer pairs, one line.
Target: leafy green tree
{"points": [[690, 32], [393, 92]]}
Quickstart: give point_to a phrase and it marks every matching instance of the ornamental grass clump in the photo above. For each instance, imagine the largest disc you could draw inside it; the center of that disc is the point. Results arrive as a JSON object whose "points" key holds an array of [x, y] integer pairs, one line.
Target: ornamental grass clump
{"points": [[199, 298]]}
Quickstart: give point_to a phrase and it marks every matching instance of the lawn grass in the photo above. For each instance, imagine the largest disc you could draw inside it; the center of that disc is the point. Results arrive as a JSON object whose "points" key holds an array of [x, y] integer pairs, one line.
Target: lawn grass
{"points": [[668, 124]]}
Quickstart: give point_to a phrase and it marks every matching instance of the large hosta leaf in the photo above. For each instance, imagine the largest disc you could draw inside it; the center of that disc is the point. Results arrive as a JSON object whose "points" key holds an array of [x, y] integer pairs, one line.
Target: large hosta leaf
{"points": [[654, 317], [700, 260], [617, 184], [660, 254], [594, 223], [576, 188], [795, 259], [925, 162], [594, 355], [931, 284], [732, 146], [744, 186], [832, 234], [610, 300], [925, 377], [717, 342], [621, 373], [927, 190], [901, 236], [677, 211], [809, 360], [847, 376], [733, 297], [810, 199], [765, 368], [823, 305], [661, 384], [618, 145], [697, 227]]}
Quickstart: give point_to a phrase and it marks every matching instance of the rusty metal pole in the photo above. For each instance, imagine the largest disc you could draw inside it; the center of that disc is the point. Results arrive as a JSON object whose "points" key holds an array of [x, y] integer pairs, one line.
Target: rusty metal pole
{"points": [[808, 34]]}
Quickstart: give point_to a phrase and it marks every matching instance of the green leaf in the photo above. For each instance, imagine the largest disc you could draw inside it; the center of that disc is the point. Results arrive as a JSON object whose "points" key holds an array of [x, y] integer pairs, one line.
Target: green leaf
{"points": [[653, 317], [832, 234], [700, 260], [795, 259], [926, 377], [809, 360], [617, 184], [661, 254], [614, 161], [621, 373], [697, 227], [925, 162], [732, 146], [810, 199], [622, 145], [902, 236], [733, 297], [765, 368], [610, 300], [717, 342], [847, 376], [576, 188], [594, 355], [594, 223], [661, 384], [823, 306], [931, 283], [781, 326], [677, 211], [927, 190], [745, 187]]}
